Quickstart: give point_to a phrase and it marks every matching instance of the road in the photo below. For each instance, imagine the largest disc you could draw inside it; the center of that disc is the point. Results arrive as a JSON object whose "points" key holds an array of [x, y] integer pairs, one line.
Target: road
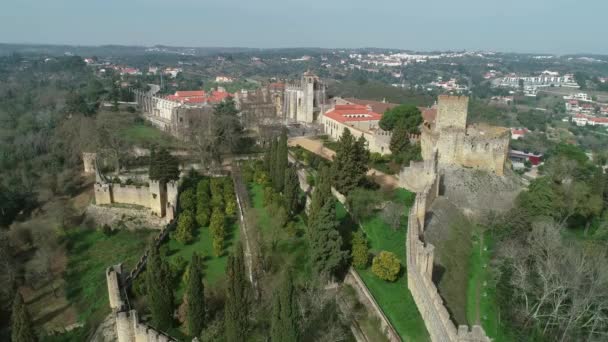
{"points": [[386, 182]]}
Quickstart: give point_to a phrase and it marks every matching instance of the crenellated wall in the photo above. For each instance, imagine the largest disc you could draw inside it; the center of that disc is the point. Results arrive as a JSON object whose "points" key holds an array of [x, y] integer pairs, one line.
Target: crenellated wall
{"points": [[420, 256]]}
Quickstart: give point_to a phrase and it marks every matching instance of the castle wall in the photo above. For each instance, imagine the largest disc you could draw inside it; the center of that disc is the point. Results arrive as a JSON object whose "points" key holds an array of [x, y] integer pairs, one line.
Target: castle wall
{"points": [[103, 193], [157, 197], [130, 194], [88, 160], [452, 111], [419, 259]]}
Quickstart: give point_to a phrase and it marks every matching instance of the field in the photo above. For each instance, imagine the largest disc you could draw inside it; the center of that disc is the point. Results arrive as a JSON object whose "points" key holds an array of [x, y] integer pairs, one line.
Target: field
{"points": [[291, 249], [214, 267], [145, 135], [481, 302], [393, 297]]}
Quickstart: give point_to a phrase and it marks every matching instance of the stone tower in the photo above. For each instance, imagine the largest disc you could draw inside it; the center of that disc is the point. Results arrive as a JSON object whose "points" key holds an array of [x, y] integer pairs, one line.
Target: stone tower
{"points": [[452, 112], [308, 98]]}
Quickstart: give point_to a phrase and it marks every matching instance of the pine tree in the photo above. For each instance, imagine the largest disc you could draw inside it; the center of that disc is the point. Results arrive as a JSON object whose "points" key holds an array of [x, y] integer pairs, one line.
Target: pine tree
{"points": [[284, 320], [236, 309], [163, 166], [185, 227], [326, 243], [21, 329], [195, 296], [160, 291], [291, 190]]}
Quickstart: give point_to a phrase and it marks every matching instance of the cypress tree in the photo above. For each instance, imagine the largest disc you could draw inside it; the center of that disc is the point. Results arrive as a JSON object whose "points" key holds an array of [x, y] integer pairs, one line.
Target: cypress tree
{"points": [[195, 296], [291, 190], [273, 158], [160, 292], [203, 202], [281, 163], [322, 192], [284, 320], [399, 140], [343, 166], [326, 243], [236, 311], [21, 329]]}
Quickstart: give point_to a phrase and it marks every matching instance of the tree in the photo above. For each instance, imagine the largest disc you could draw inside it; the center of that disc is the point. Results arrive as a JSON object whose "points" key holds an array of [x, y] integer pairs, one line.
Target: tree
{"points": [[216, 227], [350, 162], [400, 140], [217, 193], [195, 297], [111, 142], [284, 320], [226, 124], [163, 166], [280, 163], [326, 243], [386, 266], [203, 202], [9, 272], [405, 116], [322, 192], [160, 290], [361, 203], [360, 251], [185, 227], [393, 214], [229, 197], [21, 328], [236, 309], [291, 190], [187, 200]]}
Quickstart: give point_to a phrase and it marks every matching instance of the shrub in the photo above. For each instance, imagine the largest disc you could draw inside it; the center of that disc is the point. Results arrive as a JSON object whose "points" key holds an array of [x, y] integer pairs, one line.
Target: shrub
{"points": [[360, 250], [185, 227], [386, 266], [106, 229], [187, 200]]}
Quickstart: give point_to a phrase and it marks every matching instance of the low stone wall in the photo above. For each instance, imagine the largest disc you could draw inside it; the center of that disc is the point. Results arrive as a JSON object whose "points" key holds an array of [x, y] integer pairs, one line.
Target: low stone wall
{"points": [[420, 270], [352, 278]]}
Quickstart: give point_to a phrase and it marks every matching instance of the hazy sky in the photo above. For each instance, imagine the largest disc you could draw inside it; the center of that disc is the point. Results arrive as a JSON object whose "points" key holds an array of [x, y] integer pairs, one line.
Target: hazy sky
{"points": [[558, 26]]}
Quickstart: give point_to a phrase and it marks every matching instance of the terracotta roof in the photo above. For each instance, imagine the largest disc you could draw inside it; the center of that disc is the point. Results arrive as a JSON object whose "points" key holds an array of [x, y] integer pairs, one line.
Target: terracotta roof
{"points": [[188, 93], [350, 113], [377, 106], [277, 85], [428, 114]]}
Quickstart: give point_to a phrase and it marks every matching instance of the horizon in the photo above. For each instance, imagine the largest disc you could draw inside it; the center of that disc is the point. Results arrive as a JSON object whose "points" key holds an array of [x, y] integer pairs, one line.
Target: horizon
{"points": [[542, 26]]}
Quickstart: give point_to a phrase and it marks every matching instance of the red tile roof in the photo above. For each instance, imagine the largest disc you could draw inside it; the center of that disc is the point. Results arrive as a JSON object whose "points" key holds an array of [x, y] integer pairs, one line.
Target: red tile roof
{"points": [[350, 113], [188, 93], [428, 114]]}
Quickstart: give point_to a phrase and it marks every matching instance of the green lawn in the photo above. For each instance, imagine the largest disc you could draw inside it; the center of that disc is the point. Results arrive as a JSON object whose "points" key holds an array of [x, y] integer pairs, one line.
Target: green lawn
{"points": [[393, 297], [481, 291], [90, 252], [291, 247], [214, 267], [145, 135]]}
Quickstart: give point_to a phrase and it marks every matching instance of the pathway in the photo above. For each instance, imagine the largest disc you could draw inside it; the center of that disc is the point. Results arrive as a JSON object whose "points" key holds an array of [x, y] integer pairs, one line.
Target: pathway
{"points": [[387, 182]]}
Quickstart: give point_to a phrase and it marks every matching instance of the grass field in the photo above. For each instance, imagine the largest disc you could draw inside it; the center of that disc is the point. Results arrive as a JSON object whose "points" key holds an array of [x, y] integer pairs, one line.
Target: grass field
{"points": [[214, 267], [145, 135], [481, 302], [393, 297], [291, 249], [90, 252]]}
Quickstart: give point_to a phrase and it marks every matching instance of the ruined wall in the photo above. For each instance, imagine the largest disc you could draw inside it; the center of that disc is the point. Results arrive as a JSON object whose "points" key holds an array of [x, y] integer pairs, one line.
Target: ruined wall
{"points": [[419, 258], [130, 194], [452, 111], [129, 328], [476, 146], [88, 160]]}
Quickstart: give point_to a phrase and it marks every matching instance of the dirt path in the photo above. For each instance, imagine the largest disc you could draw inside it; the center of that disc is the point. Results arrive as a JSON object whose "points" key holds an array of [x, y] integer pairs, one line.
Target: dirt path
{"points": [[387, 182]]}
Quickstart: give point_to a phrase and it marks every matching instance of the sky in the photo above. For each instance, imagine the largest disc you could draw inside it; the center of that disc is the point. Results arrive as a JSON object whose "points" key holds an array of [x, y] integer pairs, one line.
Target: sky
{"points": [[537, 26]]}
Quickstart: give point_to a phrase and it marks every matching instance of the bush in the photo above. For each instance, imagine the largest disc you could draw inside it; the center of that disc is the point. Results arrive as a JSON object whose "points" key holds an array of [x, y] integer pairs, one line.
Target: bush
{"points": [[185, 227], [106, 229], [187, 200], [360, 250], [386, 266]]}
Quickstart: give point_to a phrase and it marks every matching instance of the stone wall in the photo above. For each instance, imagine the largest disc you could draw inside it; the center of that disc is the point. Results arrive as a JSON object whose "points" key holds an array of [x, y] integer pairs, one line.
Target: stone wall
{"points": [[419, 257], [364, 296], [131, 194], [475, 146]]}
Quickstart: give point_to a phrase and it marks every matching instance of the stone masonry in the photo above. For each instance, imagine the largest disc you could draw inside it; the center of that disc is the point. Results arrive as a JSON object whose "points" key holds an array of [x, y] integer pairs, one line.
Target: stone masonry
{"points": [[472, 146], [419, 257]]}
